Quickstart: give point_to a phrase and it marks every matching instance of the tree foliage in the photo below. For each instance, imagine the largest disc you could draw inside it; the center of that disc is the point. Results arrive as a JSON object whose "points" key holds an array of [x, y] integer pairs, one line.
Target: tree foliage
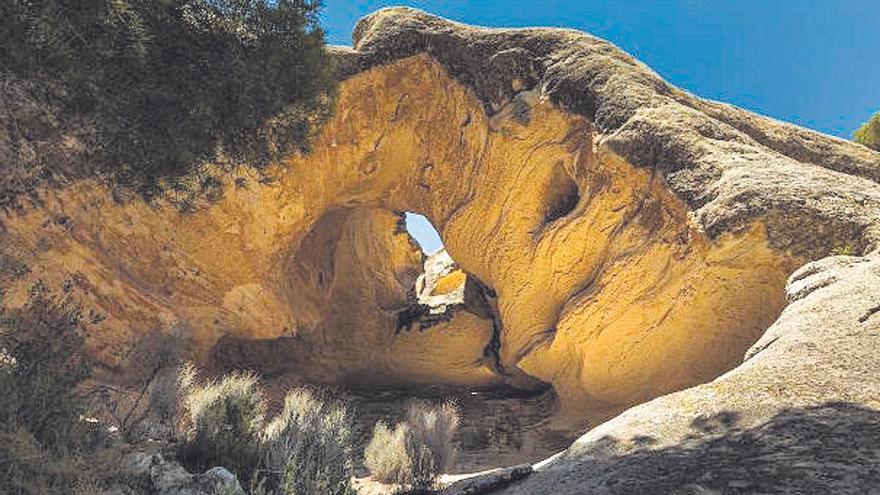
{"points": [[164, 84], [869, 133]]}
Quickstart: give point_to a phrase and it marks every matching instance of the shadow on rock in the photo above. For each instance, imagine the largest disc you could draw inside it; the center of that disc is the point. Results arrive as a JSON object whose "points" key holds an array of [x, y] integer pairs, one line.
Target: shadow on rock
{"points": [[832, 448]]}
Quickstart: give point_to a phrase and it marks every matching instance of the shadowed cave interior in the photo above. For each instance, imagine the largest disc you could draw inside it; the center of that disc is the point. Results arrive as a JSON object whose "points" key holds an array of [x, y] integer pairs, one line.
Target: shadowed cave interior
{"points": [[500, 423]]}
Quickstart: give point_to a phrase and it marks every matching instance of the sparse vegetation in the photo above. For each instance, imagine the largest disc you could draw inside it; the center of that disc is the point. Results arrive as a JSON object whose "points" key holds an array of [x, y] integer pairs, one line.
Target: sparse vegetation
{"points": [[308, 447], [842, 250], [305, 449], [869, 133], [11, 268], [416, 451], [226, 419], [139, 90]]}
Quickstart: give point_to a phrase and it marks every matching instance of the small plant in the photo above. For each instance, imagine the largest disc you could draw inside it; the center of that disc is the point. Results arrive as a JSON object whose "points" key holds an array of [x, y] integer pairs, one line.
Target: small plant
{"points": [[308, 447], [844, 250], [386, 456], [226, 419], [869, 133], [415, 452]]}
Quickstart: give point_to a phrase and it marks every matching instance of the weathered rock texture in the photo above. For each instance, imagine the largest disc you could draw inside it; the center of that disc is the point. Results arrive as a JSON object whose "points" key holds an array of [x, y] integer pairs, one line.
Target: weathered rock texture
{"points": [[617, 238]]}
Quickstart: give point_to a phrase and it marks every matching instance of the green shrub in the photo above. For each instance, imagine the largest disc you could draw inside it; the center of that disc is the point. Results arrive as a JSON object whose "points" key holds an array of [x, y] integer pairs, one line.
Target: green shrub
{"points": [[417, 450], [45, 447], [43, 349], [226, 419], [308, 447], [869, 133], [139, 90]]}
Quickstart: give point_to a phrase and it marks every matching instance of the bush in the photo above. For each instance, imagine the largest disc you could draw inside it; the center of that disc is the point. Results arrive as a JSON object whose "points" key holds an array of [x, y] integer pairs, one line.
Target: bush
{"points": [[416, 451], [308, 447], [226, 419], [45, 448], [386, 456], [43, 352], [869, 133], [146, 406], [304, 450], [140, 90]]}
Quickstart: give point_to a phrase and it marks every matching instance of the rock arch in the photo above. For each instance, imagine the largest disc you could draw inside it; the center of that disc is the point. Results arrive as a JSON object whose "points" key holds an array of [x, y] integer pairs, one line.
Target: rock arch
{"points": [[622, 239]]}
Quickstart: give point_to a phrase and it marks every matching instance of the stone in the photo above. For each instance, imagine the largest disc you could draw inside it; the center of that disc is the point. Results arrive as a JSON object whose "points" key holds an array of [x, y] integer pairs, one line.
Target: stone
{"points": [[801, 414], [220, 480], [153, 473], [489, 481]]}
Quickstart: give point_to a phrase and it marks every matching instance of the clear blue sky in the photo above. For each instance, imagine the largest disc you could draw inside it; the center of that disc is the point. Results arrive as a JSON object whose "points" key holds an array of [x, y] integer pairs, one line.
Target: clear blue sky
{"points": [[815, 63]]}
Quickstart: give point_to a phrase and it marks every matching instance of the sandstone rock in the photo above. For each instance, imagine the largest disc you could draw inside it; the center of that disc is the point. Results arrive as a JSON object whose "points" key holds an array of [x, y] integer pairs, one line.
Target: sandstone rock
{"points": [[622, 240], [800, 415]]}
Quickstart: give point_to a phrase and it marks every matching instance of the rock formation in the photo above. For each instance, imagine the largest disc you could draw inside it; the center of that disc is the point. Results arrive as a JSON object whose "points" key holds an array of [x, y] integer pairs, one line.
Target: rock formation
{"points": [[615, 237]]}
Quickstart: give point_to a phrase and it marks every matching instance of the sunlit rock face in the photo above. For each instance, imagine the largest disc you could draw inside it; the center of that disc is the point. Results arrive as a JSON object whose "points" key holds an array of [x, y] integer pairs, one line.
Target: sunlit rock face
{"points": [[612, 236]]}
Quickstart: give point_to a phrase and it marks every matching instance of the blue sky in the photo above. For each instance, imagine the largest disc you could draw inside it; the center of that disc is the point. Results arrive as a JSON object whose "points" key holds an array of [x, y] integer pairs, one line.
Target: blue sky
{"points": [[815, 63]]}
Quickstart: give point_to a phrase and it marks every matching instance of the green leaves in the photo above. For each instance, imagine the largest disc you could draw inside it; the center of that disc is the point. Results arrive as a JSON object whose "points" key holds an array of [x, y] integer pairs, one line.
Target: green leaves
{"points": [[869, 133], [167, 84]]}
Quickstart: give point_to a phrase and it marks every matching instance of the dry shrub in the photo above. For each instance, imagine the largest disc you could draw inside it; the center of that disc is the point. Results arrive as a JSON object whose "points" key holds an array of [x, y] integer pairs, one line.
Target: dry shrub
{"points": [[304, 450], [226, 418], [146, 406], [416, 451], [386, 456], [308, 447]]}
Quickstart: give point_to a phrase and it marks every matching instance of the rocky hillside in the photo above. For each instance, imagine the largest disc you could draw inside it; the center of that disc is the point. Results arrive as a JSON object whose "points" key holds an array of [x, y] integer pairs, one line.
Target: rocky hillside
{"points": [[613, 237]]}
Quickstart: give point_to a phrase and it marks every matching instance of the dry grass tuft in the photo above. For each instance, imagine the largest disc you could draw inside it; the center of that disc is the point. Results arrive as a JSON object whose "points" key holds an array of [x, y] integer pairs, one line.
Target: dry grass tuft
{"points": [[416, 451]]}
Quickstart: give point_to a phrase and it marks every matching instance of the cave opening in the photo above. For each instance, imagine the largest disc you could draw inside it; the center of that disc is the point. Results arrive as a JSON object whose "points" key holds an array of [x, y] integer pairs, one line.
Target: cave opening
{"points": [[504, 420], [385, 321], [424, 232]]}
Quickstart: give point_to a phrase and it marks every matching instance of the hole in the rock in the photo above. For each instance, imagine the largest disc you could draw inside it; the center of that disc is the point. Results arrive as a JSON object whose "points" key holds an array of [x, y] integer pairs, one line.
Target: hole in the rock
{"points": [[437, 318], [423, 232], [564, 197]]}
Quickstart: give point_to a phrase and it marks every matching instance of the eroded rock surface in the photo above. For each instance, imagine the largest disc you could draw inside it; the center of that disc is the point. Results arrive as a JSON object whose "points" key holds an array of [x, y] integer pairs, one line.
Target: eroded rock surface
{"points": [[800, 415], [615, 237]]}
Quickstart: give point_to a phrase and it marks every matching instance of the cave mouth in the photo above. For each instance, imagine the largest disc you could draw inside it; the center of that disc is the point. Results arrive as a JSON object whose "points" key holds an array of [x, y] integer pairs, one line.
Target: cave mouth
{"points": [[384, 315], [375, 316]]}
